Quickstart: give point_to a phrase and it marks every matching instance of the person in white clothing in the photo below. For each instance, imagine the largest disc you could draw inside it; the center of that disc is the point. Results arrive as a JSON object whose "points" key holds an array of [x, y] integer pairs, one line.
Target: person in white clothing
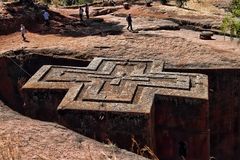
{"points": [[81, 13], [23, 32]]}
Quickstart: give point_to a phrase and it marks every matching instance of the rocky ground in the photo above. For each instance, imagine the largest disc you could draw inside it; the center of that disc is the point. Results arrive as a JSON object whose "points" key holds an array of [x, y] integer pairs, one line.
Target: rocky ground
{"points": [[160, 32], [22, 138]]}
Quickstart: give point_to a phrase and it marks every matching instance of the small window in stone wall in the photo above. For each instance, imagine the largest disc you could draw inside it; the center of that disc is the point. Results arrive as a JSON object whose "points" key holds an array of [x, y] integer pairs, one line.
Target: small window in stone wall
{"points": [[182, 150]]}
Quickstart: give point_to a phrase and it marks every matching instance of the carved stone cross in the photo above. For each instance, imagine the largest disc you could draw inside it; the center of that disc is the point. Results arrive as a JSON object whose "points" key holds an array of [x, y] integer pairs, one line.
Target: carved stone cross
{"points": [[124, 84], [123, 89]]}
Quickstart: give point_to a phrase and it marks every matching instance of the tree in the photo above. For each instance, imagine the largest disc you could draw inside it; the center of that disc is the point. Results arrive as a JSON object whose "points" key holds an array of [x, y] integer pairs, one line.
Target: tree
{"points": [[235, 8], [231, 22]]}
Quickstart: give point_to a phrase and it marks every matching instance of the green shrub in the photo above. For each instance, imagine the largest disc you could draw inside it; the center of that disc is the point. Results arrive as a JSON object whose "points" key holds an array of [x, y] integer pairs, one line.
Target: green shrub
{"points": [[181, 3], [235, 8], [164, 1], [231, 22], [83, 1]]}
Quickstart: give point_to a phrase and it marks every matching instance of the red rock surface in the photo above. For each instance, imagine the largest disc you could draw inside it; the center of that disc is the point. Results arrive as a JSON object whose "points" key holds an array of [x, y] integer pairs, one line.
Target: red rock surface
{"points": [[23, 138], [30, 139], [181, 48]]}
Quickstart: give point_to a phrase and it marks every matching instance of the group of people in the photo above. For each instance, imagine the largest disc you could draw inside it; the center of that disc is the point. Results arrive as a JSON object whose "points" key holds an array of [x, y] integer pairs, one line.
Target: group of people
{"points": [[46, 16], [81, 11], [23, 30]]}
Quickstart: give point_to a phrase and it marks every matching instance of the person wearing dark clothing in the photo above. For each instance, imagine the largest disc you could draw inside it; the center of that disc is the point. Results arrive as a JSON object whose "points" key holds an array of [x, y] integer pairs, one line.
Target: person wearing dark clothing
{"points": [[87, 11], [81, 13], [182, 150], [129, 20]]}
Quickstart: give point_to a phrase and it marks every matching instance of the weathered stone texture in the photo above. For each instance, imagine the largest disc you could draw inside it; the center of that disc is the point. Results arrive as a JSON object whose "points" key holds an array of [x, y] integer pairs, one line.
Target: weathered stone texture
{"points": [[182, 120], [22, 138], [224, 113], [7, 79], [224, 102], [115, 99]]}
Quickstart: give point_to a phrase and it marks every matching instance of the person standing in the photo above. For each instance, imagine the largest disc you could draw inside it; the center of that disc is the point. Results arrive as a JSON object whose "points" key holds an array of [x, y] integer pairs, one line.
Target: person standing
{"points": [[23, 32], [87, 10], [81, 13], [129, 20], [46, 18]]}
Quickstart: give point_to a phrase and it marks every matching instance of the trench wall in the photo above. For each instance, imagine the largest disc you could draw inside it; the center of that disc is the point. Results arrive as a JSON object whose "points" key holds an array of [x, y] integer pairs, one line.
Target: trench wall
{"points": [[224, 100], [224, 111], [16, 70], [10, 83], [182, 120]]}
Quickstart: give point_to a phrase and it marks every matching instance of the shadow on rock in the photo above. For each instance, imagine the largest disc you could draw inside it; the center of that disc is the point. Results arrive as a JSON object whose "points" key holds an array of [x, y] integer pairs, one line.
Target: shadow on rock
{"points": [[73, 27], [61, 25]]}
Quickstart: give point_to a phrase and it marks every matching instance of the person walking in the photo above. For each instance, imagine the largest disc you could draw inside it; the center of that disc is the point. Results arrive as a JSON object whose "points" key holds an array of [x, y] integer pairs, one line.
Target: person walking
{"points": [[87, 10], [81, 14], [46, 18], [23, 32], [129, 21]]}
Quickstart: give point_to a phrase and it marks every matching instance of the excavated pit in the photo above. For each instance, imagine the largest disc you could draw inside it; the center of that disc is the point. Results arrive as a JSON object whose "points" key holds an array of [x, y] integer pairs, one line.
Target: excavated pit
{"points": [[16, 69], [224, 101]]}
